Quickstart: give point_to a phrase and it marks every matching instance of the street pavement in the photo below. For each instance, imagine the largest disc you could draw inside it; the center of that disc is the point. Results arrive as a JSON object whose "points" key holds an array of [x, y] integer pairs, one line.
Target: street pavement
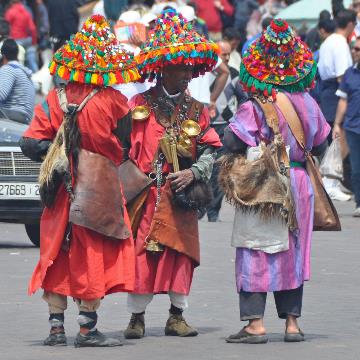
{"points": [[331, 316]]}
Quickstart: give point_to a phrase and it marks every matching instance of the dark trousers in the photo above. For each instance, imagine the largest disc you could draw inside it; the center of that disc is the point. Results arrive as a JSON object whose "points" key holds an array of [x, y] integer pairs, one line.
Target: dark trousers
{"points": [[214, 208], [353, 140], [288, 302]]}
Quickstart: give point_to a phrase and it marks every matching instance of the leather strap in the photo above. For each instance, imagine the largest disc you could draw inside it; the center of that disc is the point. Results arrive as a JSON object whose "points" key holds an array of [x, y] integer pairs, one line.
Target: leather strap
{"points": [[271, 116], [272, 120], [292, 118], [66, 107]]}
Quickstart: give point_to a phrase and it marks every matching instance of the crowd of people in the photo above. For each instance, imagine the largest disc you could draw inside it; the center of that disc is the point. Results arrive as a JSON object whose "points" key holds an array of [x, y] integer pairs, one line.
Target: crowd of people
{"points": [[198, 80]]}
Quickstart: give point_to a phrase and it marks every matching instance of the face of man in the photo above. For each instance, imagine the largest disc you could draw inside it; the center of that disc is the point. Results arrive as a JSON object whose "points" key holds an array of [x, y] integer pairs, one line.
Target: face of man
{"points": [[356, 7], [355, 51], [177, 77], [225, 49]]}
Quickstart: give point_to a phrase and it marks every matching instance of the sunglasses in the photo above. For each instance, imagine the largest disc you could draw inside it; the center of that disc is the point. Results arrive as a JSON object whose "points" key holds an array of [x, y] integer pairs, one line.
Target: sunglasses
{"points": [[356, 48]]}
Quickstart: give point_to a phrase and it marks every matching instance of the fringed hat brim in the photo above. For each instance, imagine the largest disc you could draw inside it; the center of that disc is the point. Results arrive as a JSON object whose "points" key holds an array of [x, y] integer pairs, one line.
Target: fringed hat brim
{"points": [[96, 78], [254, 85], [203, 56]]}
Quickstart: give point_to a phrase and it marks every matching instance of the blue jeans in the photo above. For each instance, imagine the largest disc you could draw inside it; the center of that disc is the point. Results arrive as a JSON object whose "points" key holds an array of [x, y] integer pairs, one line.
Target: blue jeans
{"points": [[353, 140], [30, 55]]}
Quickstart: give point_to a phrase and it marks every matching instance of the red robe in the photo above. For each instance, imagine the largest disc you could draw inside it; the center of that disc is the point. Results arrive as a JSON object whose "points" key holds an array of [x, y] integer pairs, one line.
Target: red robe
{"points": [[170, 271], [94, 265]]}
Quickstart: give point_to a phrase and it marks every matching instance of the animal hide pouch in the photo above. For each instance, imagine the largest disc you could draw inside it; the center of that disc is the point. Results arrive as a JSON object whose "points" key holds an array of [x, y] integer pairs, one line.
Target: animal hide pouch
{"points": [[98, 203]]}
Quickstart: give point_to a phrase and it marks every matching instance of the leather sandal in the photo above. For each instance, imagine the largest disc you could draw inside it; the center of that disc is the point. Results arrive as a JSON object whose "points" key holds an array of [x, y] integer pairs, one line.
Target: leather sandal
{"points": [[294, 337], [244, 337]]}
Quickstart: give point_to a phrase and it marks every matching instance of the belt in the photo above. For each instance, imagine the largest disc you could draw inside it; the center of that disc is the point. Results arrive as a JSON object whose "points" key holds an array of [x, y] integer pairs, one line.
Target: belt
{"points": [[297, 164]]}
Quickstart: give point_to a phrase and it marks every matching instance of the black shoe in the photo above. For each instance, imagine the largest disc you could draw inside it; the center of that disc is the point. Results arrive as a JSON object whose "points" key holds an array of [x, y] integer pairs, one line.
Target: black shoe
{"points": [[294, 337], [95, 339], [55, 339], [244, 337]]}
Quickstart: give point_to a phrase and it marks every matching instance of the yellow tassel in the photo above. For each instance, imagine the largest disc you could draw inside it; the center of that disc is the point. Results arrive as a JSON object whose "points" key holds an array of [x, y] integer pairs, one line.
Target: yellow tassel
{"points": [[61, 71], [94, 79], [76, 76], [112, 78], [52, 67]]}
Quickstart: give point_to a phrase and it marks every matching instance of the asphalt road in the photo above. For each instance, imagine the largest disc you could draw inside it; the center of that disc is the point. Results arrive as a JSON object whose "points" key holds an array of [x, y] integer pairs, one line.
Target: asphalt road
{"points": [[330, 314]]}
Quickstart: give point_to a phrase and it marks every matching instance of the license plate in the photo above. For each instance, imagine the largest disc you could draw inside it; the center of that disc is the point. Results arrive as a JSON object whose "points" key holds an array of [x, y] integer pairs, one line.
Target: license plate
{"points": [[19, 191]]}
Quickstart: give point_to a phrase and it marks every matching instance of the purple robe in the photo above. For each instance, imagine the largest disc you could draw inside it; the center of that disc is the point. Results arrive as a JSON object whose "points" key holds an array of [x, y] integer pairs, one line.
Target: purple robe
{"points": [[257, 271]]}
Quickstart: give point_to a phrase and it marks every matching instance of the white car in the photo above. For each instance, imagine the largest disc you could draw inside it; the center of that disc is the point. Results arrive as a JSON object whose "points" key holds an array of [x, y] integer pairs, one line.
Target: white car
{"points": [[19, 189]]}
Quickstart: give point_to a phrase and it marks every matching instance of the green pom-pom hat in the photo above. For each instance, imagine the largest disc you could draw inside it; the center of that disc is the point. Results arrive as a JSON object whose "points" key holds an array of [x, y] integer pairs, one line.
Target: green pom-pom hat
{"points": [[278, 60]]}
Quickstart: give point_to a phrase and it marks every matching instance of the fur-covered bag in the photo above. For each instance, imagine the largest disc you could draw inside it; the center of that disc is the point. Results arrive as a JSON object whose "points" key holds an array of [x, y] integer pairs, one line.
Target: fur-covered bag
{"points": [[196, 196], [259, 186]]}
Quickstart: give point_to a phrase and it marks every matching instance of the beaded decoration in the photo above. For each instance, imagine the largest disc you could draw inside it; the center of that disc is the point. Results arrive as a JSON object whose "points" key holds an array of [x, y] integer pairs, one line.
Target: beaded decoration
{"points": [[174, 42], [93, 56], [278, 60]]}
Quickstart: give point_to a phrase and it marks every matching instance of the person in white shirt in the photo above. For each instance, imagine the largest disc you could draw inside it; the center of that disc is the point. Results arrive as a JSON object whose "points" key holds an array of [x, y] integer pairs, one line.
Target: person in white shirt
{"points": [[334, 59]]}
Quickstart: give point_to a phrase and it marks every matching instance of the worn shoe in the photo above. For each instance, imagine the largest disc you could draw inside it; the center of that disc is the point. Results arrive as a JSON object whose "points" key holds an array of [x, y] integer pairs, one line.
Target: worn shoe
{"points": [[56, 339], [243, 337], [177, 326], [294, 337], [356, 213], [95, 339], [136, 327]]}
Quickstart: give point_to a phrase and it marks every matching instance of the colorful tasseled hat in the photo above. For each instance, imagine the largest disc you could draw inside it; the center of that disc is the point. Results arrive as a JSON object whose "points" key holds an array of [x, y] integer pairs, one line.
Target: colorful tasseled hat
{"points": [[277, 60], [93, 56], [175, 42]]}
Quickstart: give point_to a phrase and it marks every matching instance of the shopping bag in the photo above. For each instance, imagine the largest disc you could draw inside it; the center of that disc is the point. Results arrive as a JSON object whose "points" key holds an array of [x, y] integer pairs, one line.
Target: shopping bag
{"points": [[332, 164]]}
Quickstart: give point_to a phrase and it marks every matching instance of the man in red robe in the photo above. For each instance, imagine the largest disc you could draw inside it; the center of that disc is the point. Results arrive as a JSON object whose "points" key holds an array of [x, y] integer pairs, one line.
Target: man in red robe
{"points": [[179, 155], [86, 122]]}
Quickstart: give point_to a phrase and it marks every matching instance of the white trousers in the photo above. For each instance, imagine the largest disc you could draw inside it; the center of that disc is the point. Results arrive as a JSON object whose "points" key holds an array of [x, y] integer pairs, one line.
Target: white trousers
{"points": [[137, 303]]}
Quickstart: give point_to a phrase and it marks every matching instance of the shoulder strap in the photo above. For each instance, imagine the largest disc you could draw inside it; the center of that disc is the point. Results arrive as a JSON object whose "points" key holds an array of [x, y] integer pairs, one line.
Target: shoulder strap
{"points": [[72, 108], [270, 113], [272, 119], [291, 117]]}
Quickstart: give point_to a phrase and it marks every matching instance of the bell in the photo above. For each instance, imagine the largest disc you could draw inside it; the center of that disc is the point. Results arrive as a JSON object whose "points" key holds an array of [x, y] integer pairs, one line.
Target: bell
{"points": [[191, 128], [140, 112], [154, 246]]}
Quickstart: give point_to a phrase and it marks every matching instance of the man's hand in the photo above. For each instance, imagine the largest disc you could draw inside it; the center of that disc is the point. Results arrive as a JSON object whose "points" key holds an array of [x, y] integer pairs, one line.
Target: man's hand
{"points": [[181, 179], [134, 39], [337, 131]]}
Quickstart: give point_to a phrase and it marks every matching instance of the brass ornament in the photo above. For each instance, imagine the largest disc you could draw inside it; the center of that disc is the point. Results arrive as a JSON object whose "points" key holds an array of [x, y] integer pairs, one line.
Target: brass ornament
{"points": [[140, 112], [154, 246]]}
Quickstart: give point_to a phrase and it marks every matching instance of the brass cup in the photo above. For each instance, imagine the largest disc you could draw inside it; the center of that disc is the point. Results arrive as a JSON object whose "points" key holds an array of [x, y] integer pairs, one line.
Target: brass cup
{"points": [[191, 128], [140, 112]]}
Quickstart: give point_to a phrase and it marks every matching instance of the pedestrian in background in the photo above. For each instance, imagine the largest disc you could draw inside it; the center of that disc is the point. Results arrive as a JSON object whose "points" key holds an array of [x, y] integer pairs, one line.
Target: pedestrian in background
{"points": [[64, 20], [226, 106], [17, 93], [334, 59], [23, 31], [348, 118]]}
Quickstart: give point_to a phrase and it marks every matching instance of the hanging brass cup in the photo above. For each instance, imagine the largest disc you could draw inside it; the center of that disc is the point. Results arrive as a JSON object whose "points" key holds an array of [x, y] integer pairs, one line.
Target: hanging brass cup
{"points": [[189, 129], [140, 112]]}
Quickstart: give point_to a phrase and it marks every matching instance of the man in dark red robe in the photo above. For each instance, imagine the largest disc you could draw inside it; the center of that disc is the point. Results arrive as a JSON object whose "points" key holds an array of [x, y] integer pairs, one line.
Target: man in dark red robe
{"points": [[179, 155], [77, 258]]}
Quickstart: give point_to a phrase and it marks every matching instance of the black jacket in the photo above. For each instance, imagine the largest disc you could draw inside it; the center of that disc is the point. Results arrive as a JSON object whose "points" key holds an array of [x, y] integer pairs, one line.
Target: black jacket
{"points": [[63, 17]]}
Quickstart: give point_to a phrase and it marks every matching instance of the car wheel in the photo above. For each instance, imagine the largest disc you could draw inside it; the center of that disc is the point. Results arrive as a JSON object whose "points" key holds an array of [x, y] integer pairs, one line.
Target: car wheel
{"points": [[33, 232]]}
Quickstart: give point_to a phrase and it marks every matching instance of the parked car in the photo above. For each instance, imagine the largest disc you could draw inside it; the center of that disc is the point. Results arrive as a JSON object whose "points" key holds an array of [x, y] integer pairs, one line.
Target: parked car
{"points": [[19, 189]]}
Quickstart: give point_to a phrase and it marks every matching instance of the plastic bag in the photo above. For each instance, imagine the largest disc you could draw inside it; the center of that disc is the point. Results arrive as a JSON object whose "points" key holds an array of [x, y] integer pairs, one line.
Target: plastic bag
{"points": [[332, 164]]}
